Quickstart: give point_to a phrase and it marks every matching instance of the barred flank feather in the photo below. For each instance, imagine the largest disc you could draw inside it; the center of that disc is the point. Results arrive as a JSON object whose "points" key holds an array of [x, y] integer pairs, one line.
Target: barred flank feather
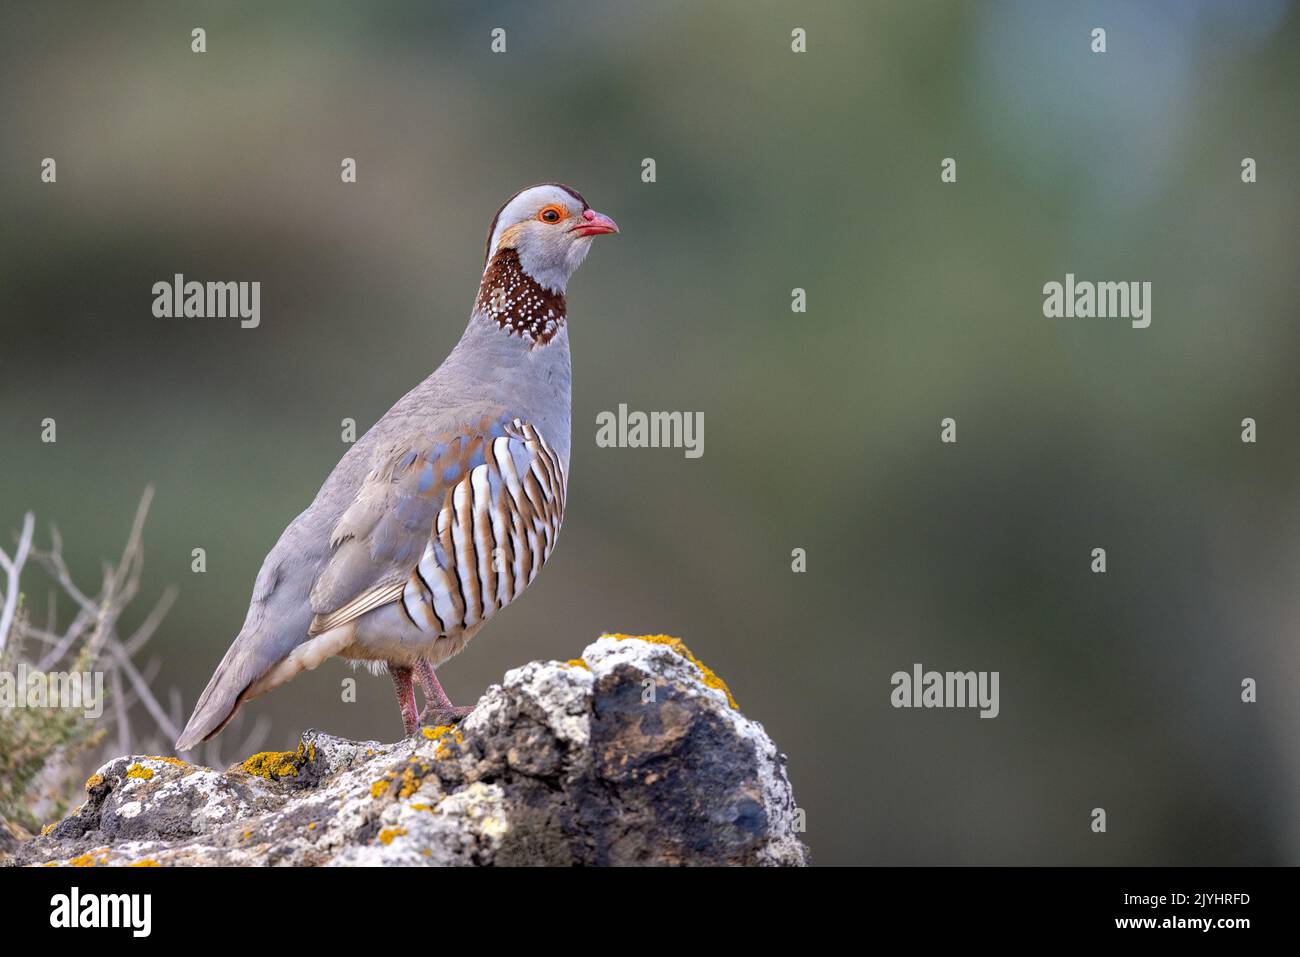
{"points": [[494, 531]]}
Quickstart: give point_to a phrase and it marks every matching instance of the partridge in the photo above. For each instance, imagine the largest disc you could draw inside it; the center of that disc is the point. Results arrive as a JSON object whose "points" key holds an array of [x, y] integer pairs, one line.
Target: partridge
{"points": [[445, 510]]}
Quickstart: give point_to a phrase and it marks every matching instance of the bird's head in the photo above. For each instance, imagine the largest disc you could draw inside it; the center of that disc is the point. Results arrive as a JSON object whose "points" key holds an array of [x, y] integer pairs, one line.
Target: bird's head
{"points": [[550, 228]]}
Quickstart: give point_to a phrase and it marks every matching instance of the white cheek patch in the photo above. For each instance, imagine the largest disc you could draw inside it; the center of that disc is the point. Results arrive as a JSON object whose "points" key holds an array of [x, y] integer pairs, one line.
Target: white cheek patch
{"points": [[577, 252]]}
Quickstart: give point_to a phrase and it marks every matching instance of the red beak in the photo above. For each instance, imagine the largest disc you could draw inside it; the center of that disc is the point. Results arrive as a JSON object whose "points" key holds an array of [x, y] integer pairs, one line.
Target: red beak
{"points": [[594, 224]]}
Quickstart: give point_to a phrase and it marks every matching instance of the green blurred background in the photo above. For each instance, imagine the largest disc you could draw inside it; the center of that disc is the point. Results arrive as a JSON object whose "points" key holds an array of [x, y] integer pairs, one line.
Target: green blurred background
{"points": [[775, 170]]}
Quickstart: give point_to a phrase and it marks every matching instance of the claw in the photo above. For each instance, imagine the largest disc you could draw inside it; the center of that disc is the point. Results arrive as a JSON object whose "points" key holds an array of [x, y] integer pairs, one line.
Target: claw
{"points": [[440, 716]]}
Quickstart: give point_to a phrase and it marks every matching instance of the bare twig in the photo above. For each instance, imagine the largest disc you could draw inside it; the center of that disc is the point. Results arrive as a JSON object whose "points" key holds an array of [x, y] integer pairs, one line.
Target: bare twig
{"points": [[120, 713], [91, 640], [142, 689], [142, 634], [13, 568]]}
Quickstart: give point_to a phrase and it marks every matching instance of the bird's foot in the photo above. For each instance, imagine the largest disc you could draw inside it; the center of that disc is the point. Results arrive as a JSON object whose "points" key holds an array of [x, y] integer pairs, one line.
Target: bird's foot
{"points": [[437, 717]]}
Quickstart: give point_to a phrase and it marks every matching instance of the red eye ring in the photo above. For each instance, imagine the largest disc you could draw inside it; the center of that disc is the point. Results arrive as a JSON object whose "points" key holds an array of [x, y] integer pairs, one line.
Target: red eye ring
{"points": [[552, 214]]}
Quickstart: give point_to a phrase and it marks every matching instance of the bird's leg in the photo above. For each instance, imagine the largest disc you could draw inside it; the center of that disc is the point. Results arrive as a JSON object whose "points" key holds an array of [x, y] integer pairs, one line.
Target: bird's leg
{"points": [[438, 706], [431, 686], [405, 697]]}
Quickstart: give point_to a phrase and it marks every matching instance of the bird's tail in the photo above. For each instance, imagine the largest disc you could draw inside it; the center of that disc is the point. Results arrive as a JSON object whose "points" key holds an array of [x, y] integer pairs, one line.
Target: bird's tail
{"points": [[253, 666], [222, 697]]}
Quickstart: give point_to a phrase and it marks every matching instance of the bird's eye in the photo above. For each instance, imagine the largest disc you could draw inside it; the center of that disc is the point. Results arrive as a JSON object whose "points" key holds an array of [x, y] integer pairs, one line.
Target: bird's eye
{"points": [[551, 214]]}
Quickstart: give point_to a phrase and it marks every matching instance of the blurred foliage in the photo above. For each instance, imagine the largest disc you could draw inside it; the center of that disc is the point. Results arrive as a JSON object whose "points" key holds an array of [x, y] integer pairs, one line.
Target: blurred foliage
{"points": [[38, 746]]}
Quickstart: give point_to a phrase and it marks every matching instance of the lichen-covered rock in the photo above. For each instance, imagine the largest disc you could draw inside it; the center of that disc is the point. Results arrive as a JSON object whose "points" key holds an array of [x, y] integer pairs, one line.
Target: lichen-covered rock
{"points": [[633, 754]]}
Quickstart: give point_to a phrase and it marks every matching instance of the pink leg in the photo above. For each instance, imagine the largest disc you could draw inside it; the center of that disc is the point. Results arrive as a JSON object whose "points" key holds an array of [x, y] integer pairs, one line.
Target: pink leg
{"points": [[438, 707], [405, 697], [432, 687]]}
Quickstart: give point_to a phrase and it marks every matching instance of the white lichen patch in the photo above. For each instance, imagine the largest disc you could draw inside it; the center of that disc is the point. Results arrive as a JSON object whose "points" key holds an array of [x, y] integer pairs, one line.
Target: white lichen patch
{"points": [[560, 693], [211, 794], [482, 807], [655, 661], [784, 846]]}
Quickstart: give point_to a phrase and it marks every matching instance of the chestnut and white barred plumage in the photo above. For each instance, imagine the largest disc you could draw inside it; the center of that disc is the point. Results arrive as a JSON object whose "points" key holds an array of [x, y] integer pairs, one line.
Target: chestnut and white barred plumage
{"points": [[444, 511], [494, 531], [501, 497]]}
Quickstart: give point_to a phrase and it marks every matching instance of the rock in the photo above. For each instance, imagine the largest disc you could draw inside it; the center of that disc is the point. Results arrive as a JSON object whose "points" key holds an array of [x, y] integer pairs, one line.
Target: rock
{"points": [[633, 754]]}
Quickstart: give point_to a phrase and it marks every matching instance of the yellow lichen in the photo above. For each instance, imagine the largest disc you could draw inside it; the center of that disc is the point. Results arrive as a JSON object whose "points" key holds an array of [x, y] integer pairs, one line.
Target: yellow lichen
{"points": [[378, 789], [48, 827], [311, 826], [88, 860], [139, 771], [168, 760], [147, 862], [410, 782], [577, 663], [442, 751], [387, 835], [677, 645], [276, 765], [94, 781], [272, 765], [442, 731]]}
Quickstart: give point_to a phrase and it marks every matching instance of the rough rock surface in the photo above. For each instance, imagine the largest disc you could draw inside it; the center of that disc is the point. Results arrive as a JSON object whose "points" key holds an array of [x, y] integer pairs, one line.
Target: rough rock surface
{"points": [[633, 754]]}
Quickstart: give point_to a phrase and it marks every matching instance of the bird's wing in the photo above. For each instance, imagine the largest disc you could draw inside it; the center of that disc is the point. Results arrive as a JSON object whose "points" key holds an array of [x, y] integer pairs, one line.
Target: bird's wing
{"points": [[453, 526]]}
